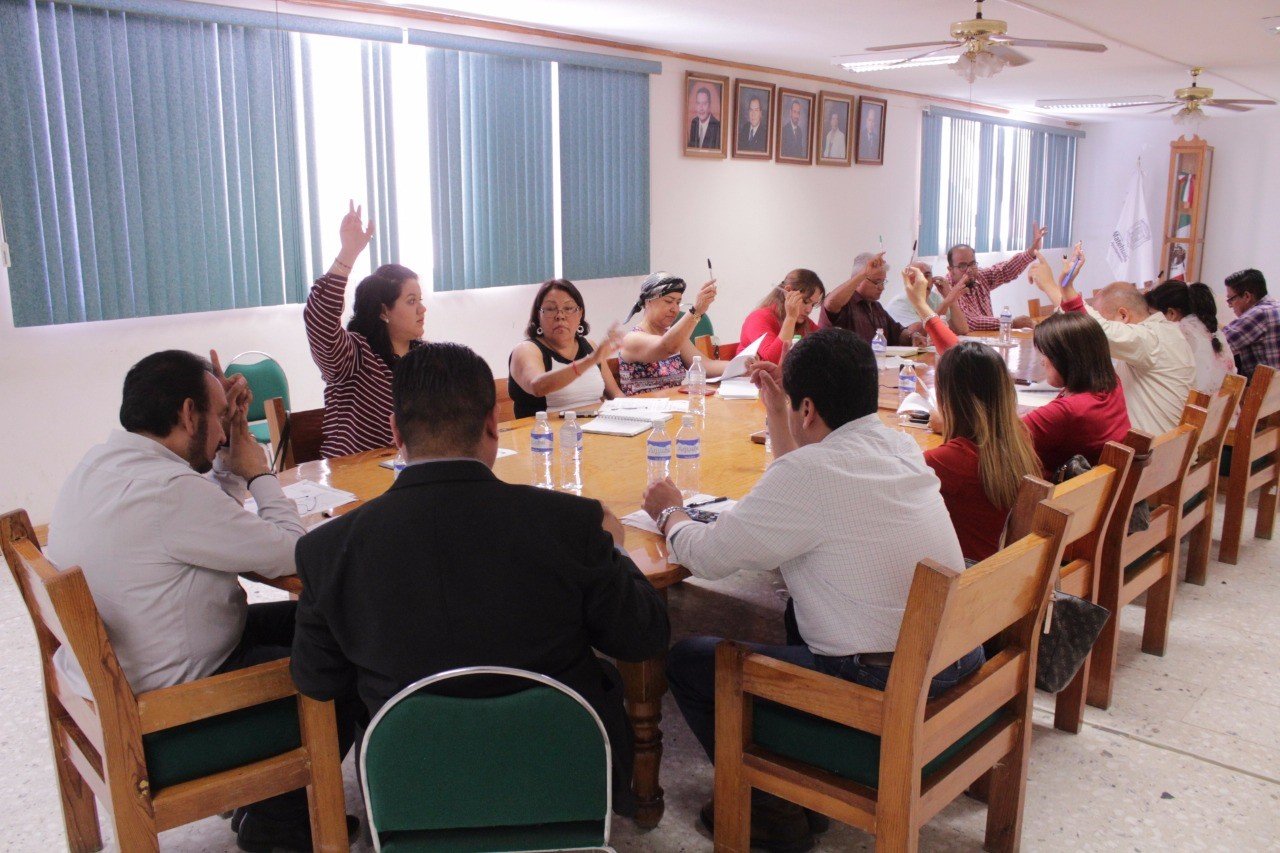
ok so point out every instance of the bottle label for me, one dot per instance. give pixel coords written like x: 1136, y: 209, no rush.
x: 659, y: 450
x: 688, y: 448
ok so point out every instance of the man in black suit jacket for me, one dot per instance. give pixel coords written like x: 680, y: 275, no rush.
x: 704, y: 128
x: 753, y: 134
x: 453, y: 567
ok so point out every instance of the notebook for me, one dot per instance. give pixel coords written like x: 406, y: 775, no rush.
x: 620, y: 424
x: 633, y: 415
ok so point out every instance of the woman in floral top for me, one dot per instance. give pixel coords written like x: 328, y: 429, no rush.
x: 658, y: 350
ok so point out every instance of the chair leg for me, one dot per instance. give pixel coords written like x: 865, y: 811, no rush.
x: 1232, y: 525
x: 1068, y: 708
x: 1102, y: 662
x: 732, y: 810
x: 1198, y: 548
x: 1159, y: 609
x: 1008, y: 793
x: 79, y: 808
x: 325, y: 798
x: 1266, y: 510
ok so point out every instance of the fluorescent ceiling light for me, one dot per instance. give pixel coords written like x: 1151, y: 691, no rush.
x: 1101, y: 103
x: 861, y: 66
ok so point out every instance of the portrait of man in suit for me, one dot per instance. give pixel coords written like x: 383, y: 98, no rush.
x: 870, y: 130
x: 704, y: 128
x: 752, y: 117
x: 703, y: 112
x: 753, y: 134
x: 795, y: 137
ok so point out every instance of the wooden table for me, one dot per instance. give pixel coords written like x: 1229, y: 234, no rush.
x: 614, y: 472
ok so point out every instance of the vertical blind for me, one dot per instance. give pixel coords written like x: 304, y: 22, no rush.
x: 985, y: 181
x: 492, y: 214
x: 147, y: 164
x: 604, y: 172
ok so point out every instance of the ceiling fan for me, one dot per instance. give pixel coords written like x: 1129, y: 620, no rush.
x: 984, y: 49
x: 1192, y: 100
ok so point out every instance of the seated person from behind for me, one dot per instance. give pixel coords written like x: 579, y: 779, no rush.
x: 1254, y: 335
x: 783, y: 314
x: 1194, y: 309
x: 658, y: 351
x: 162, y: 545
x: 847, y: 509
x: 452, y: 567
x: 975, y: 300
x: 855, y: 304
x: 942, y: 300
x: 557, y: 334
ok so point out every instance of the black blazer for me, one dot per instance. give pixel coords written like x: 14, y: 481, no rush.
x: 453, y: 567
x: 712, y: 139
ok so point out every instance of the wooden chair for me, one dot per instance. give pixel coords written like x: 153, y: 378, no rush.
x: 1255, y: 465
x: 1145, y: 560
x: 295, y: 436
x: 506, y: 407
x: 613, y: 368
x: 706, y: 346
x: 1200, y: 487
x: 886, y: 762
x: 728, y: 351
x: 1095, y: 491
x: 125, y: 749
x: 1038, y: 311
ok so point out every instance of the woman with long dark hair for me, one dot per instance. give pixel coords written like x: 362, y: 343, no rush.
x: 356, y: 362
x: 1194, y: 309
x: 556, y: 368
x: 783, y: 314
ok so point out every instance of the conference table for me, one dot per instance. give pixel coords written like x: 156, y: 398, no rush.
x: 614, y: 472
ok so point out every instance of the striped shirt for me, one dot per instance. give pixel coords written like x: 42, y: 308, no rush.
x: 357, y: 389
x: 975, y: 302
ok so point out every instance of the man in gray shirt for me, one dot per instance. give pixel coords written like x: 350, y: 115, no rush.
x: 162, y: 545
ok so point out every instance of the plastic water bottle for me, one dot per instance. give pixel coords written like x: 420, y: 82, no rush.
x: 878, y: 344
x: 697, y: 379
x: 398, y: 464
x: 1006, y: 325
x: 542, y: 441
x: 688, y: 457
x: 768, y: 446
x: 658, y: 452
x: 571, y: 453
x: 906, y: 380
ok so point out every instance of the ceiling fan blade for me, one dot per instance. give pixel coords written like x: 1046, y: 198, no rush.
x: 1056, y: 45
x: 1143, y: 104
x: 923, y: 55
x: 915, y: 45
x: 1008, y: 54
x: 1165, y: 110
x: 1260, y: 102
x: 1235, y: 108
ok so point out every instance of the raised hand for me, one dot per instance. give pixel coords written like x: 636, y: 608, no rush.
x: 794, y: 305
x: 877, y: 263
x: 706, y: 295
x: 767, y: 376
x: 1077, y: 254
x: 353, y: 234
x: 246, y: 458
x: 917, y: 289
x: 609, y: 344
x: 1037, y: 234
x: 1041, y: 276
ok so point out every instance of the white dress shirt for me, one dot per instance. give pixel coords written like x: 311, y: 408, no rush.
x: 1156, y: 369
x: 834, y: 145
x: 161, y: 547
x: 847, y: 519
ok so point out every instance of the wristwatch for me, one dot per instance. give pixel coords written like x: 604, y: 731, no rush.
x: 664, y: 515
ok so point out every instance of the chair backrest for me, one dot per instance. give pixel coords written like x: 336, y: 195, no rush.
x: 266, y: 379
x: 442, y: 762
x: 705, y: 346
x: 506, y: 406
x: 728, y: 351
x: 1259, y: 424
x: 1217, y: 411
x: 612, y: 363
x: 1035, y: 310
x: 1159, y: 467
x: 295, y: 436
x: 948, y: 615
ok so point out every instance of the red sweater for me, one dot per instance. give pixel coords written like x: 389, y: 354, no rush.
x: 1080, y: 423
x: 764, y: 321
x: 977, y: 521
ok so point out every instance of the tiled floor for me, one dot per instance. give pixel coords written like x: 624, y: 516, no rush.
x: 1187, y: 758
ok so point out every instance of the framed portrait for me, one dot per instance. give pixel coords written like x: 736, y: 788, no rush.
x: 871, y: 113
x: 701, y: 132
x: 794, y: 134
x: 753, y: 119
x: 834, y: 141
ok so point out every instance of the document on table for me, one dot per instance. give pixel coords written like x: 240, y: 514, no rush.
x: 917, y: 402
x: 739, y: 388
x: 309, y: 497
x: 738, y: 366
x: 641, y: 520
x: 629, y: 416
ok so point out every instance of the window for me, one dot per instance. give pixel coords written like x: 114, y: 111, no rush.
x: 157, y: 165
x: 984, y: 181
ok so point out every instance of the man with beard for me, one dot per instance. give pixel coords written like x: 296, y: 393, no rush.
x: 162, y: 546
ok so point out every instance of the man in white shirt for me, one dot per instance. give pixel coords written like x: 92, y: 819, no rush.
x: 162, y: 546
x: 847, y: 510
x: 943, y: 299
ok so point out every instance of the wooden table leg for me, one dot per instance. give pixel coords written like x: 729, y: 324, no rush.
x: 645, y: 683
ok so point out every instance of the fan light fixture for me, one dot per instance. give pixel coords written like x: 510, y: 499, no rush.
x: 974, y: 64
x: 1191, y: 114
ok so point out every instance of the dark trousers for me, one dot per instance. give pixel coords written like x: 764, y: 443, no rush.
x: 691, y: 674
x: 268, y: 636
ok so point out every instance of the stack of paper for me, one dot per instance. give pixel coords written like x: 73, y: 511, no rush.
x: 633, y: 415
x: 738, y: 366
x: 309, y: 497
x: 739, y: 389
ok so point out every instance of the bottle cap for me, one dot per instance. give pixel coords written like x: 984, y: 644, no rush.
x: 541, y: 415
x: 570, y: 415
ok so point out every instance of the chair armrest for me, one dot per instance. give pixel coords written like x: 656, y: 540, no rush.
x: 813, y: 692
x: 217, y: 694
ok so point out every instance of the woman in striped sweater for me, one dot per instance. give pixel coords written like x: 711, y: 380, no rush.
x: 356, y: 362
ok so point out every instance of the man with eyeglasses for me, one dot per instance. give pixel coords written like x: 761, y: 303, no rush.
x: 975, y: 300
x: 1254, y: 336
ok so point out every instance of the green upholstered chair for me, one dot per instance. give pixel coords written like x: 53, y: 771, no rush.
x: 528, y: 770
x: 266, y: 379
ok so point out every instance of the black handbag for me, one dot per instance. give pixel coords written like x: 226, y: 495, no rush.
x: 1072, y: 625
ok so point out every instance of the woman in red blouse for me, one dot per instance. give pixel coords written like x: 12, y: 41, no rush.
x: 783, y: 314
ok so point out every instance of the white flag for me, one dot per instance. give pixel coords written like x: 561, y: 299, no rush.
x: 1131, y: 253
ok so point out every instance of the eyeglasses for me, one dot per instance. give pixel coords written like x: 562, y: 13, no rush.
x: 965, y: 265
x: 1233, y: 297
x: 571, y: 311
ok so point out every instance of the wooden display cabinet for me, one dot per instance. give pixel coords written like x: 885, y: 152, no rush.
x: 1187, y: 208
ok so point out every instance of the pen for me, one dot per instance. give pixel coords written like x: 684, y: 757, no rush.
x: 706, y: 502
x: 710, y: 274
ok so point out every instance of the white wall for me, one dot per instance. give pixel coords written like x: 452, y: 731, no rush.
x: 756, y: 220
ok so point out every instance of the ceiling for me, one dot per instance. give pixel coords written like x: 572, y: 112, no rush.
x: 1151, y: 43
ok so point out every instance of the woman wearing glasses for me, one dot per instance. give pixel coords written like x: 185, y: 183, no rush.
x: 556, y: 367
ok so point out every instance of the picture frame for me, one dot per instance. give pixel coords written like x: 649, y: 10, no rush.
x: 702, y: 132
x: 870, y: 136
x: 793, y: 132
x: 753, y: 142
x: 833, y: 143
